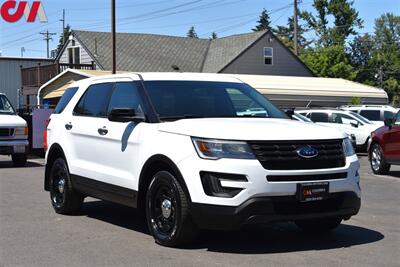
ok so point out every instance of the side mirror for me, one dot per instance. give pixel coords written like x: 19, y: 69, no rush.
x: 388, y: 122
x: 289, y: 113
x: 354, y: 124
x: 125, y: 115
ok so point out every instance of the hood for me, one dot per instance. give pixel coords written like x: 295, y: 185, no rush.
x: 250, y: 129
x: 11, y: 121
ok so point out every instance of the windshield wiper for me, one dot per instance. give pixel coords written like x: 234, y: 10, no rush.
x: 186, y: 116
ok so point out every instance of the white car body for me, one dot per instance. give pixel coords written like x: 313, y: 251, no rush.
x: 13, y: 132
x: 362, y: 128
x: 375, y: 113
x: 118, y: 158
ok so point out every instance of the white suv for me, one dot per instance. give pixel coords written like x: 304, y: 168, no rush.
x: 375, y: 113
x: 346, y: 121
x: 13, y: 133
x: 176, y: 145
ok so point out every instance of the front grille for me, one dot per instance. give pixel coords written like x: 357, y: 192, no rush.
x: 282, y: 155
x: 6, y: 132
x: 313, y: 177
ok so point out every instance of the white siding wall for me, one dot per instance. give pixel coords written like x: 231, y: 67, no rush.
x: 84, y: 56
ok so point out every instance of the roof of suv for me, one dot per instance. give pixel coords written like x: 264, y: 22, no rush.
x: 326, y: 110
x: 357, y: 107
x: 169, y: 76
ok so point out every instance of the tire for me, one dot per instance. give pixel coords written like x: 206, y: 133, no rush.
x: 19, y: 160
x: 319, y: 225
x: 377, y: 160
x: 64, y: 198
x: 167, y: 211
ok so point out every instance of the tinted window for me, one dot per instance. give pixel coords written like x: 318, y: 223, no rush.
x: 319, y: 117
x: 388, y: 115
x: 343, y: 119
x: 372, y: 115
x: 67, y: 96
x: 95, y: 101
x: 180, y: 99
x: 125, y: 95
x: 397, y: 121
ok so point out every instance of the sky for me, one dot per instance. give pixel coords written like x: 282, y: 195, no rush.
x: 168, y: 17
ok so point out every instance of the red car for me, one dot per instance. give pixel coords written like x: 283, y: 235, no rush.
x: 385, y: 146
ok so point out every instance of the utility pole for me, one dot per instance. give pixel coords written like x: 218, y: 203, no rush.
x: 63, y: 26
x: 295, y: 44
x: 22, y: 51
x: 47, y: 37
x: 114, y: 54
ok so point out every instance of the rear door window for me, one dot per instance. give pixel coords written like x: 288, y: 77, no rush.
x: 95, y: 101
x: 67, y: 96
x: 319, y: 117
x: 372, y: 115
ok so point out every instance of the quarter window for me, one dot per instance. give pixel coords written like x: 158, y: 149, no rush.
x: 67, y: 96
x: 94, y: 103
x: 268, y: 55
x: 372, y: 115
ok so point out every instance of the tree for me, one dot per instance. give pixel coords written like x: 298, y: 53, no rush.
x: 329, y: 61
x: 285, y: 34
x: 345, y: 21
x: 360, y: 53
x: 63, y: 36
x: 355, y: 101
x: 214, y: 35
x: 192, y: 33
x: 264, y: 22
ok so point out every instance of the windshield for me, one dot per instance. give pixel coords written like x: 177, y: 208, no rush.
x: 174, y: 100
x: 5, y: 106
x: 361, y: 118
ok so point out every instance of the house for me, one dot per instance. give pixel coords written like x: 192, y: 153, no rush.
x: 10, y: 77
x: 283, y: 91
x: 258, y: 53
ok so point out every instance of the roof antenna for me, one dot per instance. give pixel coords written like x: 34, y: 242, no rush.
x: 175, y: 68
x: 309, y: 103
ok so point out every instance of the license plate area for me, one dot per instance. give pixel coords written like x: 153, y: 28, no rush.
x: 307, y: 192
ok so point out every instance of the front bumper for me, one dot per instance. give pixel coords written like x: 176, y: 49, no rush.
x: 273, y: 209
x: 8, y: 147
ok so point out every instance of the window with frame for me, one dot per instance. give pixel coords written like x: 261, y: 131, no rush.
x: 388, y: 115
x: 94, y: 102
x: 126, y: 95
x: 372, y: 115
x: 268, y: 56
x: 343, y: 119
x: 319, y: 117
x: 397, y: 119
x: 74, y: 55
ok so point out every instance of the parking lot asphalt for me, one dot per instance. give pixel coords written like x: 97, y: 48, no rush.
x: 106, y: 234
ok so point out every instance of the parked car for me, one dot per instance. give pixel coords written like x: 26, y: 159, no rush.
x: 13, y: 133
x: 180, y: 147
x: 384, y: 150
x: 347, y: 121
x: 375, y: 113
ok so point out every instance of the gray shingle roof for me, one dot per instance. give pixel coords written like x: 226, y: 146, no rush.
x: 158, y: 53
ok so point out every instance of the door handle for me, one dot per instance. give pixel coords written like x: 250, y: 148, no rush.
x: 68, y: 126
x: 102, y: 131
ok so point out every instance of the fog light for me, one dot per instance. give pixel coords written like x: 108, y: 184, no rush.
x: 211, y: 182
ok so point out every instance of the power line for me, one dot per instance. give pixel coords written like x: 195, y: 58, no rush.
x: 47, y: 37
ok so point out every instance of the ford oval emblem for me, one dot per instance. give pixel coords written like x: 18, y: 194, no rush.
x: 307, y: 152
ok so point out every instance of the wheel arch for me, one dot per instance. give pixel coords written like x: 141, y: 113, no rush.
x: 54, y: 153
x: 153, y: 165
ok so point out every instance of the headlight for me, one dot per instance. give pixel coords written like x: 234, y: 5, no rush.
x: 348, y: 147
x: 218, y: 149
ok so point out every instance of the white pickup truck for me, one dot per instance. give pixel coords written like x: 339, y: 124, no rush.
x: 13, y: 133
